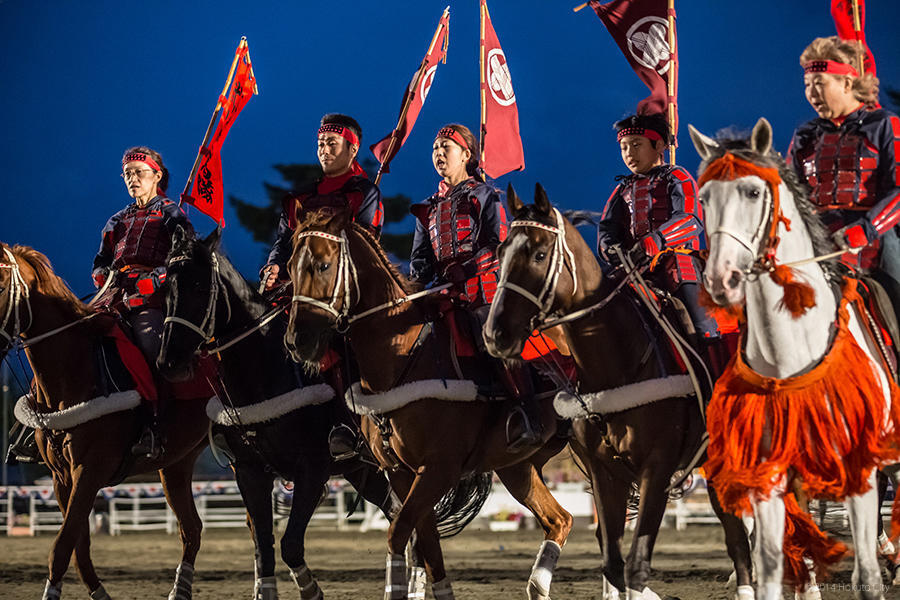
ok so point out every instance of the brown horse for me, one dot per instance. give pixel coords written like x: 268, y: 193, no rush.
x: 422, y: 420
x: 82, y: 433
x: 642, y: 425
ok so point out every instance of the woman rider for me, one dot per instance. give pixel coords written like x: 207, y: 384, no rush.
x: 457, y: 233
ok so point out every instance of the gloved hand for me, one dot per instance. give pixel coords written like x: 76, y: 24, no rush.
x: 456, y: 275
x: 268, y: 276
x: 99, y: 276
x: 638, y: 255
x: 152, y: 281
x: 852, y: 237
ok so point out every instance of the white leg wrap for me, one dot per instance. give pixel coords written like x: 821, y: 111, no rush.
x: 645, y: 594
x: 265, y: 588
x: 184, y: 582
x: 304, y: 580
x: 442, y: 590
x: 745, y: 592
x: 770, y: 591
x: 610, y: 592
x: 52, y: 592
x: 395, y: 583
x: 417, y: 581
x: 542, y: 571
x: 100, y: 594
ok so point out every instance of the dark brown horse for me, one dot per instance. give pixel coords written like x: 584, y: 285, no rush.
x: 643, y: 423
x: 86, y: 446
x: 423, y: 421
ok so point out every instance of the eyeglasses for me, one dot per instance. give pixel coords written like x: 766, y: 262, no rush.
x: 139, y: 173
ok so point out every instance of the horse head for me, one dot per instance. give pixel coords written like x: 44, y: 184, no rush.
x: 193, y: 283
x: 533, y: 280
x: 14, y: 293
x: 323, y: 278
x: 739, y: 191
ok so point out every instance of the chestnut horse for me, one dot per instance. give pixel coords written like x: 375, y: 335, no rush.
x: 275, y: 422
x: 423, y: 419
x: 635, y: 422
x: 84, y: 435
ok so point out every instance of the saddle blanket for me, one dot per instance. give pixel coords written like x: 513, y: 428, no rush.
x: 268, y: 410
x: 454, y: 390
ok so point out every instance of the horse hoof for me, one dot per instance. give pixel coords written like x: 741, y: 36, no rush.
x: 645, y: 594
x: 810, y: 593
x: 609, y: 591
x: 52, y: 592
x: 745, y: 592
x: 534, y: 592
x: 266, y: 588
x: 100, y: 594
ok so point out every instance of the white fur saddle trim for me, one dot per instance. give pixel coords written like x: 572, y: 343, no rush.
x: 270, y: 409
x: 456, y: 390
x: 78, y: 414
x: 622, y: 398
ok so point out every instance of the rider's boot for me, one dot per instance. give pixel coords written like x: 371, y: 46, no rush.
x: 523, y: 425
x: 22, y: 445
x: 149, y: 444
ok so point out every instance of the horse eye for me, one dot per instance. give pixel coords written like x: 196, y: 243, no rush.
x: 753, y: 193
x: 539, y: 256
x: 323, y: 267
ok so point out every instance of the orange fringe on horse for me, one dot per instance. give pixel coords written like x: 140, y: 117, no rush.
x: 830, y: 426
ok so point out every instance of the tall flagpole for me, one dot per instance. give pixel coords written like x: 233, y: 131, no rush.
x: 212, y: 121
x: 672, y: 81
x: 410, y: 94
x: 482, y: 12
x: 857, y: 28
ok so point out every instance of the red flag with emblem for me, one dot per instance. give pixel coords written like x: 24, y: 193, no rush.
x: 206, y: 187
x: 641, y: 29
x: 414, y: 96
x: 842, y: 13
x: 501, y: 147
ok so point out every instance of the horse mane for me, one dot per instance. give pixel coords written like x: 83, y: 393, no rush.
x: 49, y: 282
x: 739, y: 145
x: 405, y: 284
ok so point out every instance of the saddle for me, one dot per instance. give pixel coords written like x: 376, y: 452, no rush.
x: 883, y: 324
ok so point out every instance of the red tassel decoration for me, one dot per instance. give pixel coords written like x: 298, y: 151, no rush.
x: 799, y: 296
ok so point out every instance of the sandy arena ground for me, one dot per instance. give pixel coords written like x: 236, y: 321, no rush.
x: 690, y: 565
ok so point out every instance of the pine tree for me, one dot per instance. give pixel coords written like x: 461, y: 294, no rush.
x: 262, y: 221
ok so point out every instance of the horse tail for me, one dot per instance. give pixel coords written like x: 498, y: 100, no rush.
x: 462, y: 504
x: 803, y: 538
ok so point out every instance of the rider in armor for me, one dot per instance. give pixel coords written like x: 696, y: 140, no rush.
x: 848, y: 156
x: 655, y: 210
x: 343, y: 184
x: 457, y: 233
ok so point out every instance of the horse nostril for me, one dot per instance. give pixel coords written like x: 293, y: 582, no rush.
x: 735, y: 280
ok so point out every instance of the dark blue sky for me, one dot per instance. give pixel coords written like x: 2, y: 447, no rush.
x: 84, y: 80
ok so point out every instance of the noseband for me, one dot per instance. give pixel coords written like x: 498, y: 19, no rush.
x: 18, y: 292
x: 558, y: 255
x: 346, y: 271
x: 207, y: 326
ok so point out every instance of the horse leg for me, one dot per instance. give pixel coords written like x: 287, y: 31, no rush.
x: 310, y: 475
x: 736, y: 543
x: 426, y: 550
x: 80, y: 501
x: 610, y: 500
x: 651, y: 506
x: 256, y: 490
x: 176, y: 482
x: 525, y: 484
x: 862, y: 510
x: 431, y: 482
x: 767, y: 553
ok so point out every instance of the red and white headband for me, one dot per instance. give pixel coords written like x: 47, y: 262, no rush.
x: 830, y: 66
x: 140, y: 157
x: 344, y: 132
x: 452, y: 134
x: 647, y: 133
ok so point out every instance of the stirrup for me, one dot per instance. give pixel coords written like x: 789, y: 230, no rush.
x: 24, y: 449
x: 342, y: 442
x: 528, y: 436
x: 148, y: 445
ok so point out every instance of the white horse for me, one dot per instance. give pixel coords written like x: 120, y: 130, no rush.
x: 807, y: 393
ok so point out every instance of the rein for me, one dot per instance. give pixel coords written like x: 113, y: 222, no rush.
x: 346, y: 271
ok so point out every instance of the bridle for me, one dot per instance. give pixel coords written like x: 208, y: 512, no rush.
x: 559, y: 253
x: 207, y: 325
x: 18, y: 293
x: 346, y: 271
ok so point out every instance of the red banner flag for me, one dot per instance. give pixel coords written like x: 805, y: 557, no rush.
x: 414, y: 96
x: 501, y: 147
x: 641, y: 29
x: 206, y: 191
x: 842, y: 13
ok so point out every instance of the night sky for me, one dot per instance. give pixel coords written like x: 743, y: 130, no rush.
x: 85, y: 80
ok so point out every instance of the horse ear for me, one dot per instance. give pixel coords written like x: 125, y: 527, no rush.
x: 513, y: 202
x: 761, y: 137
x: 213, y: 239
x: 705, y: 145
x: 180, y: 238
x: 541, y: 201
